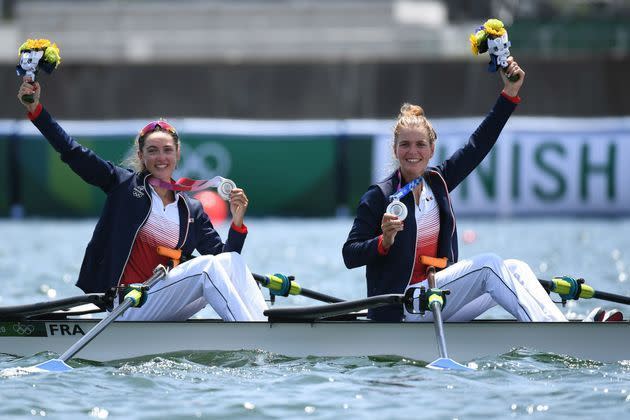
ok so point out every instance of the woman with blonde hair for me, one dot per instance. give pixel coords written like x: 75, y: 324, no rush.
x: 390, y: 244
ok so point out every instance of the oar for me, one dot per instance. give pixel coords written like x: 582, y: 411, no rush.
x: 436, y: 301
x: 569, y: 288
x: 100, y: 300
x: 281, y: 285
x: 132, y: 298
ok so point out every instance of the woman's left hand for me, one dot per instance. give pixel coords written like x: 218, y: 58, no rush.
x: 238, y: 206
x: 512, y: 88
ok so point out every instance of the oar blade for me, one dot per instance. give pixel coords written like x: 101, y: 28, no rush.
x: 52, y: 365
x: 448, y: 364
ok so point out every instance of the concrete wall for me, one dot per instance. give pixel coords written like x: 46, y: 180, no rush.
x: 569, y: 87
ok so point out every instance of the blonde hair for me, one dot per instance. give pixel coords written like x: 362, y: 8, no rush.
x: 412, y: 116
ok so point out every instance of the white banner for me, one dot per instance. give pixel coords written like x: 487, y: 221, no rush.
x: 539, y: 166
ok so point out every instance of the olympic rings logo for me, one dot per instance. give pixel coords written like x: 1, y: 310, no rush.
x: 204, y: 161
x: 23, y: 329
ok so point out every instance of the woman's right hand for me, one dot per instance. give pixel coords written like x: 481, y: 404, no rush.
x: 390, y: 225
x: 29, y: 88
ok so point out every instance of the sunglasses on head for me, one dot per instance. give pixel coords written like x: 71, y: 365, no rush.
x: 149, y: 128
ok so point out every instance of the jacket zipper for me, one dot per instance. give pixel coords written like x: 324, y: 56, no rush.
x: 187, y: 223
x: 144, y: 183
x: 450, y: 207
x: 416, y: 241
x: 415, y: 244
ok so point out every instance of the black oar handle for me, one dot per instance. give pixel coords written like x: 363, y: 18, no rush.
x: 320, y: 296
x: 612, y: 297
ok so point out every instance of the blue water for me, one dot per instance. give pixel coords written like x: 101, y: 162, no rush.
x: 39, y: 260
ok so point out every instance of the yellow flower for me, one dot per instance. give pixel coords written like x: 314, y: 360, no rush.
x: 473, y: 44
x: 25, y: 46
x: 41, y: 44
x: 476, y: 40
x: 34, y: 44
x: 52, y: 55
x: 494, y: 28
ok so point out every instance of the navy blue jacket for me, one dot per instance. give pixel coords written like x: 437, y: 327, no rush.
x: 126, y: 209
x: 391, y: 273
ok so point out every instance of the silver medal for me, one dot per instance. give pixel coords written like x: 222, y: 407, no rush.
x: 225, y: 187
x: 398, y: 209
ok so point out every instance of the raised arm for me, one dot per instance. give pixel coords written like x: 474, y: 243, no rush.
x: 456, y: 168
x: 83, y: 161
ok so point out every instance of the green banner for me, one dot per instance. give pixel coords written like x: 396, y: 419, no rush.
x: 283, y: 175
x: 50, y: 188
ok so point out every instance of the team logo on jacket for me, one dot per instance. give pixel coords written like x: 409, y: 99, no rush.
x: 138, y: 191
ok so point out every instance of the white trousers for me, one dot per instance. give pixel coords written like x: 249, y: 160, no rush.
x: 481, y: 282
x: 223, y: 281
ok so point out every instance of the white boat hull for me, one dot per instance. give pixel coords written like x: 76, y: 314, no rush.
x: 607, y: 342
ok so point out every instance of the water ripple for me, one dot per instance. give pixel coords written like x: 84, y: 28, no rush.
x: 259, y: 385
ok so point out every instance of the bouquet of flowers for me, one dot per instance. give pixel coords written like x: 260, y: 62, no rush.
x: 492, y: 37
x: 37, y: 54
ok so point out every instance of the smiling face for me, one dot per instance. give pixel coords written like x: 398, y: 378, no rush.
x: 160, y: 154
x: 413, y: 148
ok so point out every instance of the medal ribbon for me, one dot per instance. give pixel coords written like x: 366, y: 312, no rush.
x: 187, y: 184
x: 405, y: 190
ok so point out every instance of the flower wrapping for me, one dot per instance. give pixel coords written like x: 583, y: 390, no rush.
x: 35, y: 54
x: 492, y: 37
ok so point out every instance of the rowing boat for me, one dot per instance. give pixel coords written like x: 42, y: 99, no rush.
x: 606, y: 342
x: 337, y: 328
